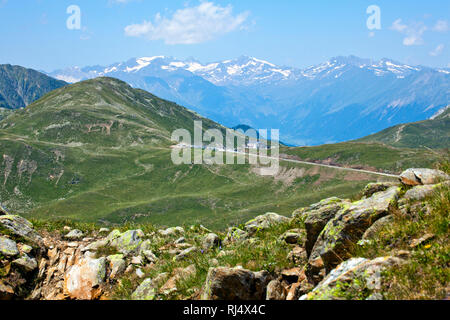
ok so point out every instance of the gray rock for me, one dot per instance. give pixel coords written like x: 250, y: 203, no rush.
x: 236, y: 235
x: 180, y: 240
x: 147, y: 290
x: 235, y: 284
x: 265, y: 221
x: 348, y: 275
x: 128, y: 242
x: 171, y: 231
x: 415, y: 177
x: 140, y: 273
x: 8, y: 247
x: 294, y: 236
x: 20, y: 227
x: 373, y: 188
x: 24, y: 248
x: 95, y: 246
x: 117, y: 265
x: 419, y: 192
x: 211, y: 240
x: 341, y: 234
x: 150, y: 256
x: 317, y: 218
x: 74, y: 234
x: 186, y: 253
x: 375, y: 229
x: 26, y: 263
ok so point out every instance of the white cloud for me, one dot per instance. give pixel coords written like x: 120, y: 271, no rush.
x: 190, y: 25
x: 441, y: 26
x: 413, y: 32
x: 437, y: 51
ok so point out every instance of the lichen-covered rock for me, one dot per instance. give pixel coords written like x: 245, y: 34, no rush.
x: 26, y: 263
x: 294, y: 236
x: 150, y: 256
x: 264, y: 221
x: 20, y: 227
x: 374, y: 230
x: 171, y: 231
x: 419, y: 192
x: 341, y: 234
x: 352, y: 279
x: 186, y: 253
x: 117, y: 265
x: 95, y: 246
x: 74, y: 234
x: 373, y: 188
x: 128, y: 242
x: 415, y: 177
x: 211, y: 240
x: 8, y: 247
x: 147, y: 290
x: 236, y: 235
x: 317, y: 218
x: 235, y: 284
x: 82, y: 281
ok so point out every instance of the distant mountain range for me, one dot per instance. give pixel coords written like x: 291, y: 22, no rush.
x: 342, y: 99
x: 20, y: 86
x: 432, y: 133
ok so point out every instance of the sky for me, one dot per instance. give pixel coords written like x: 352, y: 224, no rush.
x: 48, y: 35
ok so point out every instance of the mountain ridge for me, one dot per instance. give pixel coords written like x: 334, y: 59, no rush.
x: 342, y: 99
x: 20, y: 86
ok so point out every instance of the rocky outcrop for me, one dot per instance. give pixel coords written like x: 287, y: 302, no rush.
x: 211, y: 240
x: 20, y: 227
x: 415, y: 177
x: 8, y: 247
x: 317, y: 249
x: 127, y: 242
x: 82, y: 281
x: 353, y: 279
x: 316, y: 218
x: 264, y: 221
x: 339, y: 237
x: 235, y: 284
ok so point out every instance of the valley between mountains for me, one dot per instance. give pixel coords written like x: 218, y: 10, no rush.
x: 99, y: 151
x: 92, y: 207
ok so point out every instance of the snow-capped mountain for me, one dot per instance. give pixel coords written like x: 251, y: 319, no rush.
x: 341, y: 99
x: 241, y: 71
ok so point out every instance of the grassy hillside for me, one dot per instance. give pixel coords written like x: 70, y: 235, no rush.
x: 99, y: 151
x: 433, y: 133
x: 374, y: 156
x: 20, y: 86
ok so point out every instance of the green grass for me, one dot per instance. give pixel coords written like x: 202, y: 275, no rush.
x: 433, y: 134
x: 267, y: 253
x: 53, y: 168
x: 368, y: 155
x: 426, y: 274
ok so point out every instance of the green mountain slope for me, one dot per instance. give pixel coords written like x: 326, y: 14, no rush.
x: 373, y: 156
x: 20, y: 86
x: 433, y: 133
x: 99, y: 151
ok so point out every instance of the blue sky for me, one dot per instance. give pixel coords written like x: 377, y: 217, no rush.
x: 295, y: 33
